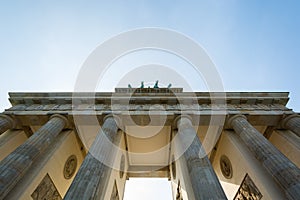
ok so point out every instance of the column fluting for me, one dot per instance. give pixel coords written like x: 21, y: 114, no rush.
x: 292, y: 123
x: 91, y: 180
x: 16, y: 164
x: 283, y: 171
x: 201, y: 173
x: 6, y: 122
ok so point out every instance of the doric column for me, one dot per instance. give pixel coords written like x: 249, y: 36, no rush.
x: 15, y: 165
x: 93, y: 176
x: 292, y: 122
x: 6, y: 122
x: 204, y: 181
x: 283, y: 171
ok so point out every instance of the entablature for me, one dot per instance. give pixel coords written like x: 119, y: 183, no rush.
x: 35, y: 108
x: 252, y: 98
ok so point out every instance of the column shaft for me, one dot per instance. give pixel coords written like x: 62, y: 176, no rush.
x: 203, y: 178
x: 93, y: 176
x: 6, y: 123
x: 15, y: 165
x: 283, y: 171
x: 292, y: 123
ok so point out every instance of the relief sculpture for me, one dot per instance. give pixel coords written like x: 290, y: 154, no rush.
x: 248, y: 190
x: 46, y: 190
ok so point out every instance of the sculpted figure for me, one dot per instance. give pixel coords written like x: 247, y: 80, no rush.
x: 156, y: 85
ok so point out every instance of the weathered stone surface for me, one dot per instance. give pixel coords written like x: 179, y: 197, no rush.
x: 292, y: 123
x: 248, y: 190
x: 149, y: 90
x: 203, y: 178
x: 284, y: 172
x: 6, y: 123
x: 16, y: 164
x: 146, y: 107
x: 262, y: 109
x: 70, y: 167
x: 92, y: 177
x: 46, y: 190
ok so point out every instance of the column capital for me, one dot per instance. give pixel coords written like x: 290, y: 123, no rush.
x: 179, y: 117
x: 117, y: 119
x: 11, y: 121
x: 231, y: 118
x: 285, y: 120
x: 65, y: 119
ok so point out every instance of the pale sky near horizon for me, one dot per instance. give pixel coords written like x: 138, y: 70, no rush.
x: 255, y: 45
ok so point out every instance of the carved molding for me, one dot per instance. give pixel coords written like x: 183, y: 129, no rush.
x: 173, y: 167
x: 146, y: 107
x: 115, y: 193
x: 122, y: 166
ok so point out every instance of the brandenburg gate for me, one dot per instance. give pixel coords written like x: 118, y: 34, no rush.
x: 234, y: 145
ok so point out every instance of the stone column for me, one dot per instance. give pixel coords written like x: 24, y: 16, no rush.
x: 6, y: 122
x: 292, y: 122
x: 93, y: 176
x: 283, y: 171
x: 204, y: 181
x: 17, y: 163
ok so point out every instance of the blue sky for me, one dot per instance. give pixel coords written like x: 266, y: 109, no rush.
x: 254, y: 44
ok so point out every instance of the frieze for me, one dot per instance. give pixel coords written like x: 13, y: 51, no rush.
x: 138, y: 107
x: 146, y: 107
x: 205, y: 107
x: 155, y: 107
x: 84, y: 107
x: 172, y: 107
x: 18, y: 107
x: 217, y: 106
x: 34, y: 107
x: 50, y: 107
x: 100, y: 107
x: 118, y: 107
x: 246, y: 107
x: 65, y: 107
x: 185, y: 107
x: 132, y: 107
